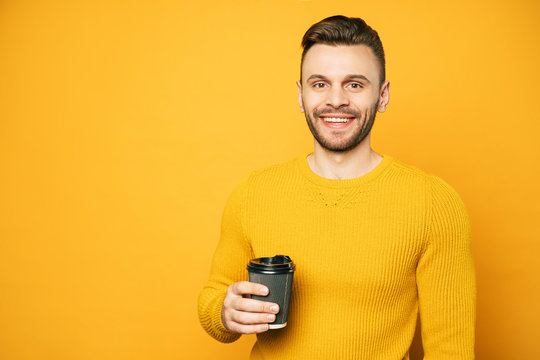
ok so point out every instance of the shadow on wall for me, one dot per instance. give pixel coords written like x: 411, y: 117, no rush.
x: 416, y: 351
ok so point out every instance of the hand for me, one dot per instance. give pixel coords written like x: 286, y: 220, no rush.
x: 243, y: 315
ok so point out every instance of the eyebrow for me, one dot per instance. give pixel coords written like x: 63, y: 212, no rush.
x: 352, y: 76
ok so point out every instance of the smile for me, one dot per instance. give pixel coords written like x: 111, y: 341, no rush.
x: 337, y: 122
x: 336, y: 119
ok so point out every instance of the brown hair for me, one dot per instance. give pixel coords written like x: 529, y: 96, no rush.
x: 342, y: 30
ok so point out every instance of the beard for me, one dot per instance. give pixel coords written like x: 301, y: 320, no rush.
x: 356, y: 138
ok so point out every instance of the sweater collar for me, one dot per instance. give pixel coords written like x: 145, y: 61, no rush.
x: 306, y: 171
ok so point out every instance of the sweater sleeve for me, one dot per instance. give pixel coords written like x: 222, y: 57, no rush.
x: 446, y: 279
x: 228, y: 266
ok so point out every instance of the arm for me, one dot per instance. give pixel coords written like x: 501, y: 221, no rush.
x: 225, y: 312
x: 228, y: 266
x: 446, y: 279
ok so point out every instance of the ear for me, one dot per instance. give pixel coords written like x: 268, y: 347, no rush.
x: 300, y: 102
x: 384, y: 97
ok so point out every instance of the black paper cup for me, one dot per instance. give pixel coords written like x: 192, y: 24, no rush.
x: 276, y: 273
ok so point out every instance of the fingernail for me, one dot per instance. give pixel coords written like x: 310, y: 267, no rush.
x: 271, y: 317
x: 274, y: 308
x: 264, y: 291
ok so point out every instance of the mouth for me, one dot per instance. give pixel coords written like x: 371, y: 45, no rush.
x: 336, y: 121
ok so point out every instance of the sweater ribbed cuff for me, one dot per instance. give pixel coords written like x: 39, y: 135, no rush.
x: 220, y: 333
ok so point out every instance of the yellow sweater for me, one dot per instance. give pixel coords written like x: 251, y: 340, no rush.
x: 370, y: 253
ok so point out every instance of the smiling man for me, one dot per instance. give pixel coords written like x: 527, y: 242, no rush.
x: 375, y: 241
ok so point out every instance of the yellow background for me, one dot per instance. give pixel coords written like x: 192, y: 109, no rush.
x: 125, y: 125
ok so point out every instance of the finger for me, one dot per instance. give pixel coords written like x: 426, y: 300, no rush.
x: 250, y: 305
x: 246, y: 287
x: 250, y: 318
x: 249, y: 329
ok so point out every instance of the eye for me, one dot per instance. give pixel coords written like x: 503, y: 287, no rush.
x: 355, y: 86
x: 318, y: 85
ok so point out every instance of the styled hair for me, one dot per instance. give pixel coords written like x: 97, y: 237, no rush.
x: 342, y: 30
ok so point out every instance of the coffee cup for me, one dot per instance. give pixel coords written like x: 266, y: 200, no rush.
x: 276, y: 273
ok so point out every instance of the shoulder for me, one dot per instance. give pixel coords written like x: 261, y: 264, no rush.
x: 404, y: 175
x: 266, y: 177
x: 446, y: 209
x: 413, y: 173
x: 273, y: 176
x: 406, y: 169
x: 443, y: 200
x: 439, y: 192
x: 275, y: 171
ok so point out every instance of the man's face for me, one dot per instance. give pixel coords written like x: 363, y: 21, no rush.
x: 340, y: 94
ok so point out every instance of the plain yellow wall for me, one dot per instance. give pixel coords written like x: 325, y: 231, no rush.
x: 125, y: 125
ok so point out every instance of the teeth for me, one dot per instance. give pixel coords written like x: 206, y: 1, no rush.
x: 336, y: 120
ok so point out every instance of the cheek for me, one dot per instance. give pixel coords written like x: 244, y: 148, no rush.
x: 362, y: 99
x: 312, y: 101
x: 363, y: 103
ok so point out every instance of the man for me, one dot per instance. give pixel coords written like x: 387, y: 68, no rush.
x: 374, y: 240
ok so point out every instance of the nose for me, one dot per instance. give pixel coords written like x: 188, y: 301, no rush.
x: 337, y: 97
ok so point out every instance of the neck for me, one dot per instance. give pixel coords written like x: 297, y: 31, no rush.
x: 344, y: 165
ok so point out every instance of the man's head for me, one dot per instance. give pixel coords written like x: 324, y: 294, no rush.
x: 342, y: 83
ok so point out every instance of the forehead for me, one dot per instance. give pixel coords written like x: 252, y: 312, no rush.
x: 340, y: 61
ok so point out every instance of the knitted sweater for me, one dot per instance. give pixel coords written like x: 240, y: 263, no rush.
x: 370, y: 253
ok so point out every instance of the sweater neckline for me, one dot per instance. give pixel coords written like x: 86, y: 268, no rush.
x: 334, y: 183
